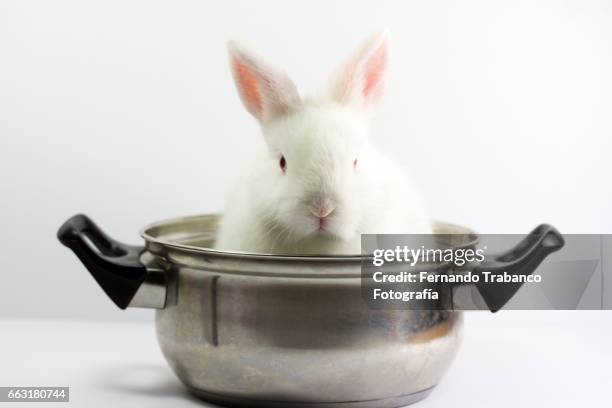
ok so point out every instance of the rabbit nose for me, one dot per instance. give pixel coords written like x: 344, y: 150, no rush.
x: 322, y: 211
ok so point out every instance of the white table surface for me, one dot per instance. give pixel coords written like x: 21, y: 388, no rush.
x: 511, y: 359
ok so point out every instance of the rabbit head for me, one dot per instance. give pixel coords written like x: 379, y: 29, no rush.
x: 309, y: 181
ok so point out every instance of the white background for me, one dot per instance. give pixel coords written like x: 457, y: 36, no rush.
x: 125, y: 110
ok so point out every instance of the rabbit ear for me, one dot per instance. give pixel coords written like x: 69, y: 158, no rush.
x: 361, y: 81
x: 265, y: 92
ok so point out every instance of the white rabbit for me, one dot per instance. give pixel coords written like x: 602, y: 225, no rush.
x: 320, y: 183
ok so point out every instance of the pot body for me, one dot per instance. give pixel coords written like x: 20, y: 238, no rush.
x: 274, y: 340
x: 264, y: 330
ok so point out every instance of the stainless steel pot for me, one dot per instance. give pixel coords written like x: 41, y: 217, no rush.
x: 281, y: 331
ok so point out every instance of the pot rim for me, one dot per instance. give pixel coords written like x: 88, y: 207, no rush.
x: 152, y: 234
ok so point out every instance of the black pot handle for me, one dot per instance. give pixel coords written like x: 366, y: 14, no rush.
x: 114, y: 265
x: 523, y: 259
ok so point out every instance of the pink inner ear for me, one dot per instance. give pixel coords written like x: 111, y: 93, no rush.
x: 248, y: 85
x: 374, y: 73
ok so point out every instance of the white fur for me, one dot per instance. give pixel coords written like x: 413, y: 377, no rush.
x: 320, y: 138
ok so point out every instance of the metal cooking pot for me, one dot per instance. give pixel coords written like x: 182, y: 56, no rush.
x: 263, y: 330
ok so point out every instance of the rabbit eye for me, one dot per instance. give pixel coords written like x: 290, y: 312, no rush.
x: 283, y: 163
x: 355, y: 163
